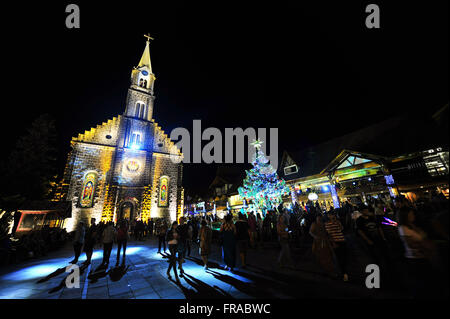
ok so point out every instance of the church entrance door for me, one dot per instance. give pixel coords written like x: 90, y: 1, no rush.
x: 127, y: 211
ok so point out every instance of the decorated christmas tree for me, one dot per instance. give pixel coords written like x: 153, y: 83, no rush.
x: 262, y: 186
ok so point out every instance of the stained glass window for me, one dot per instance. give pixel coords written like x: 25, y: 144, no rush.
x: 87, y: 192
x: 163, y: 192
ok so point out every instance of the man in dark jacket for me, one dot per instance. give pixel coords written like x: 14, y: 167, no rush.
x: 90, y: 240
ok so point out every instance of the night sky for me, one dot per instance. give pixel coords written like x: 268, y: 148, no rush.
x: 312, y: 70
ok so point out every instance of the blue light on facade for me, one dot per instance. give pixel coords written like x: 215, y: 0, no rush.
x: 334, y: 196
x: 389, y: 179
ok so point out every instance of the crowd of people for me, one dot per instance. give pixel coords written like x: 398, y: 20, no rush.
x: 385, y: 231
x: 105, y: 234
x: 86, y: 238
x: 402, y: 238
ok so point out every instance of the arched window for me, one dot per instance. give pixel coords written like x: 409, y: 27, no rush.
x: 138, y: 109
x: 141, y: 82
x: 88, y: 190
x: 146, y: 112
x: 135, y: 139
x: 145, y: 83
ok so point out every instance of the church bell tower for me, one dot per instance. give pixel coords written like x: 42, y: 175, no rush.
x: 140, y: 96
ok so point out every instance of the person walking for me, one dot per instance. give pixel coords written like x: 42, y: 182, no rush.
x: 78, y: 241
x: 145, y: 230
x: 335, y: 233
x: 267, y: 227
x: 228, y: 232
x: 273, y: 226
x: 286, y: 216
x: 172, y: 241
x: 321, y: 246
x: 372, y: 235
x: 259, y: 228
x: 133, y: 228
x: 252, y: 226
x: 122, y: 238
x: 190, y: 235
x: 283, y: 239
x: 139, y: 227
x: 161, y: 231
x: 89, y: 241
x: 205, y: 242
x: 243, y: 234
x: 195, y: 230
x: 108, y: 237
x: 182, y: 230
x: 150, y: 227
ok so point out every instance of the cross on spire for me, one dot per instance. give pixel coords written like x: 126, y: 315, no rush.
x: 148, y: 37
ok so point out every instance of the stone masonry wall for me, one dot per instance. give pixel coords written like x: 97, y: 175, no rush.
x: 163, y: 166
x: 86, y: 158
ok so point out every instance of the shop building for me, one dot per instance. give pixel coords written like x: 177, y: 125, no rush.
x: 386, y: 159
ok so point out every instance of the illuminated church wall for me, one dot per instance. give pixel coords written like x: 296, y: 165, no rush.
x: 87, y: 159
x: 164, y: 167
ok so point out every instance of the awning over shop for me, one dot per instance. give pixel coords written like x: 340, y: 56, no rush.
x: 37, y: 214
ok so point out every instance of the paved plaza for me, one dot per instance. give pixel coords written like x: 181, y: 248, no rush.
x: 144, y: 277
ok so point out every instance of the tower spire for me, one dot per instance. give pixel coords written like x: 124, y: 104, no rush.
x: 140, y: 94
x: 145, y: 58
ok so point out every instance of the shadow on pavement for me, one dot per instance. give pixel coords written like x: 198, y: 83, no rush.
x: 211, y: 264
x: 117, y: 273
x: 100, y: 272
x: 63, y: 282
x: 200, y: 289
x: 56, y: 273
x: 250, y: 289
x: 204, y: 290
x: 164, y: 255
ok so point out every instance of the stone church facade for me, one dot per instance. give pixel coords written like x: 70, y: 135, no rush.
x: 126, y: 167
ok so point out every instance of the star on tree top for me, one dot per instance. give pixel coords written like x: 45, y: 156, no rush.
x: 257, y: 143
